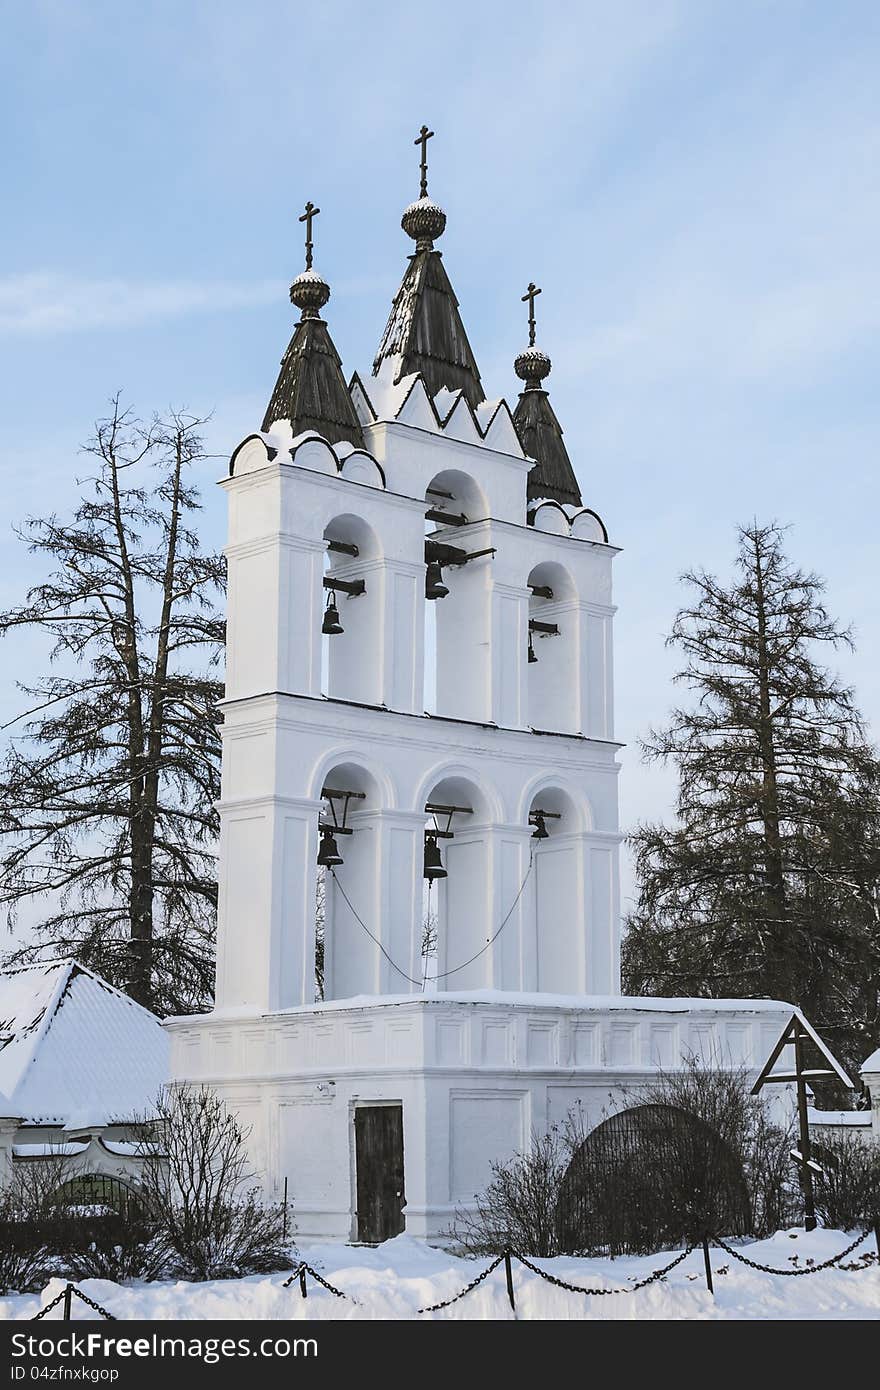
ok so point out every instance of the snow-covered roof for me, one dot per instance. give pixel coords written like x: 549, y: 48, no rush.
x: 74, y: 1050
x: 843, y: 1119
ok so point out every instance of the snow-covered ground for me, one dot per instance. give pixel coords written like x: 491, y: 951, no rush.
x: 404, y: 1275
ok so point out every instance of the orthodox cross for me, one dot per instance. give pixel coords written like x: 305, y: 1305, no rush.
x: 422, y: 139
x: 310, y: 213
x: 531, y: 295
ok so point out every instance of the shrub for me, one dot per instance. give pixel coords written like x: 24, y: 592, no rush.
x: 199, y: 1192
x: 722, y: 1098
x: 848, y: 1192
x: 517, y: 1209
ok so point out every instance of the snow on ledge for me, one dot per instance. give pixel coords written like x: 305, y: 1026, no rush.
x: 854, y: 1119
x: 582, y: 1003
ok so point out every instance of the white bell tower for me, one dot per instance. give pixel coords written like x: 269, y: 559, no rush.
x: 419, y: 692
x: 415, y: 508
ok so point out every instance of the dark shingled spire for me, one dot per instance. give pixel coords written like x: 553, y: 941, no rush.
x: 424, y: 332
x: 540, y: 433
x: 310, y: 391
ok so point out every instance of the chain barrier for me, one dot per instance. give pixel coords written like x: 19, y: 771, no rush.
x: 469, y: 1288
x: 307, y: 1269
x: 597, y: 1293
x: 65, y: 1295
x: 790, y: 1273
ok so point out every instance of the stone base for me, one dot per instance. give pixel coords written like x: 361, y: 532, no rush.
x: 475, y: 1075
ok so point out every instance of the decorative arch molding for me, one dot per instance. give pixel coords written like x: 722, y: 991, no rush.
x: 549, y: 782
x: 345, y: 755
x: 585, y: 523
x: 251, y: 454
x: 550, y: 517
x: 447, y: 771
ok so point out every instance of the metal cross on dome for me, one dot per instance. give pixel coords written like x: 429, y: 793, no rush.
x: 531, y: 295
x: 422, y: 139
x: 308, y: 216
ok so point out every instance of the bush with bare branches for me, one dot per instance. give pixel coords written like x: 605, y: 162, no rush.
x: 199, y: 1189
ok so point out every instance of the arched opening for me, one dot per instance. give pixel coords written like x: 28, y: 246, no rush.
x: 456, y: 906
x: 351, y: 643
x: 552, y: 649
x: 650, y: 1178
x: 457, y: 615
x: 346, y: 957
x: 98, y: 1195
x: 558, y: 909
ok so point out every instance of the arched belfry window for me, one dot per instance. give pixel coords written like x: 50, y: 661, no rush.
x: 457, y: 899
x: 346, y: 958
x: 351, y: 655
x: 553, y: 650
x: 457, y: 589
x: 559, y: 925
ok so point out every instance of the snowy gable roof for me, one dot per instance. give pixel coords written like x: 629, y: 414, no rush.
x: 74, y: 1050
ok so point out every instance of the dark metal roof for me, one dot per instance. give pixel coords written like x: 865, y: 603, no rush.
x: 310, y: 391
x: 540, y: 434
x: 425, y: 331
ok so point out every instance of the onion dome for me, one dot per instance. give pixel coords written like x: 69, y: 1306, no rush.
x: 424, y: 221
x: 309, y: 292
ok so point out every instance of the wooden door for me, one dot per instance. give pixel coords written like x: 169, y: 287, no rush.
x: 378, y: 1136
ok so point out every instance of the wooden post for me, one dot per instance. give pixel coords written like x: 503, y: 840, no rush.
x: 68, y: 1299
x: 806, y: 1172
x: 877, y: 1237
x: 708, y: 1264
x: 508, y: 1270
x: 302, y: 1281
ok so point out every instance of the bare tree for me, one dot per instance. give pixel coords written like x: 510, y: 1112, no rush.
x: 107, y: 799
x: 200, y: 1190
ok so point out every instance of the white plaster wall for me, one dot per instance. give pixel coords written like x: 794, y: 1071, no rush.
x: 474, y: 1078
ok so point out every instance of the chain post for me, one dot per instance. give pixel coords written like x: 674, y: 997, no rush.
x: 68, y: 1299
x: 708, y: 1263
x: 302, y: 1281
x: 508, y: 1272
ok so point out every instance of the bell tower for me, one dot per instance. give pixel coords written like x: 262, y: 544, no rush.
x: 419, y: 720
x: 401, y: 534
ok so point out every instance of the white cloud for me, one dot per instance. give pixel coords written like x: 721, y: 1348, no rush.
x: 49, y: 302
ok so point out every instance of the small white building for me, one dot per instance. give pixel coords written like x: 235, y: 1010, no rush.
x: 420, y: 691
x: 77, y: 1059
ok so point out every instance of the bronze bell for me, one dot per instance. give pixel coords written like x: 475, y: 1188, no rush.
x: 331, y: 626
x: 328, y: 851
x: 433, y: 863
x: 540, y: 831
x: 434, y: 586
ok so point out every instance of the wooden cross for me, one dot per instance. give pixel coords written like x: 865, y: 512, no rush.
x: 531, y: 295
x: 307, y: 217
x: 422, y: 139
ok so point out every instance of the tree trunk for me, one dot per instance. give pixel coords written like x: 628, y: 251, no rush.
x: 775, y: 896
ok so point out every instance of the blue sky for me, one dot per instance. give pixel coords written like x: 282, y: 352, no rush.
x: 695, y: 186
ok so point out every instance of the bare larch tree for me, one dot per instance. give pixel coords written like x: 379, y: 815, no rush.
x: 108, y: 784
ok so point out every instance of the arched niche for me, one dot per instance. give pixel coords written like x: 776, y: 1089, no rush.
x: 557, y: 898
x: 460, y: 903
x: 351, y: 665
x: 457, y: 494
x: 552, y: 670
x: 457, y: 626
x: 346, y: 957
